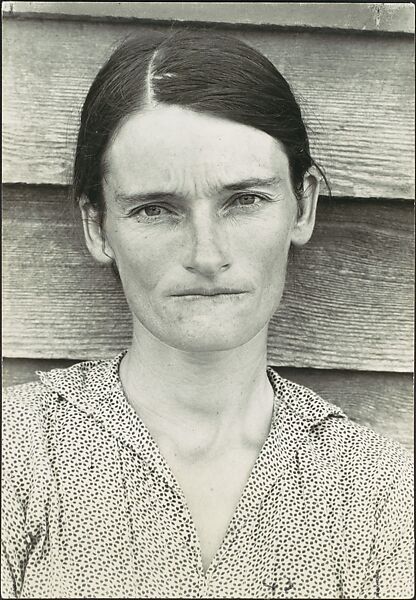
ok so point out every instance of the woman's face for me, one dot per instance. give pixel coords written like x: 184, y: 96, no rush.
x: 200, y: 217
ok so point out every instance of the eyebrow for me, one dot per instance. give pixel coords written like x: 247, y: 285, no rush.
x: 165, y: 196
x: 144, y: 197
x: 253, y: 182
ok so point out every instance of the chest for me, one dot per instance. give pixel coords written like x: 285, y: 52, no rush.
x: 212, y: 491
x: 120, y: 528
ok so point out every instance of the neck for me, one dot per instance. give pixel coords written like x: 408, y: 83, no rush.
x: 205, y: 398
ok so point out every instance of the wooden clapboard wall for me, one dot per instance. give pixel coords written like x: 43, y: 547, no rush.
x: 345, y: 326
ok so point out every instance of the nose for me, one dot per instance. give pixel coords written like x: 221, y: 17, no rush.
x: 208, y: 251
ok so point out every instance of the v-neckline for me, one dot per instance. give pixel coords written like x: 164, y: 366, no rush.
x: 267, y: 461
x: 97, y: 391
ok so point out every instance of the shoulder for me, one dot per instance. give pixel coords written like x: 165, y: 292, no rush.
x: 22, y: 407
x: 28, y: 406
x: 25, y: 404
x: 25, y: 397
x: 64, y: 383
x: 362, y: 455
x: 370, y: 463
x: 365, y: 481
x: 24, y: 439
x: 30, y: 409
x: 42, y: 416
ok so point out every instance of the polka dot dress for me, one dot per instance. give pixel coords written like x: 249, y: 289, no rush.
x: 92, y: 510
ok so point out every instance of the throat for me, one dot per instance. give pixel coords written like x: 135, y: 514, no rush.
x: 202, y: 420
x: 200, y: 387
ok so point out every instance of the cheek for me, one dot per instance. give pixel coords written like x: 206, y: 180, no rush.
x: 141, y: 260
x: 268, y: 253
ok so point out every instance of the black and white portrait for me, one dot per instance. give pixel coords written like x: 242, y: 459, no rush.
x: 208, y: 300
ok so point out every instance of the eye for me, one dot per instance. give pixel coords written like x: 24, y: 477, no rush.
x: 246, y: 199
x: 152, y: 210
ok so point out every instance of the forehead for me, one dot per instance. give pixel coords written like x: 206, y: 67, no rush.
x: 172, y: 146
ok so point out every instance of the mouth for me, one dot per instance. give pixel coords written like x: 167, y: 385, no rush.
x: 207, y: 293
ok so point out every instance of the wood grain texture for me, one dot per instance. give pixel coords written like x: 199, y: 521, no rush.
x: 348, y: 302
x: 381, y: 401
x: 366, y: 16
x: 23, y: 370
x: 357, y: 94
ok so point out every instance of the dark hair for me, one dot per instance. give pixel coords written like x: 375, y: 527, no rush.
x: 204, y: 71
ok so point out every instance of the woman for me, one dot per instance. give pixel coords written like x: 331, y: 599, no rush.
x: 184, y: 467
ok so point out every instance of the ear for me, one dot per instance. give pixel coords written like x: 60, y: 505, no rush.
x: 94, y: 234
x: 305, y: 221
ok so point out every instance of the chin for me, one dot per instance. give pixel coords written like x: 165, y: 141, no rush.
x: 212, y: 340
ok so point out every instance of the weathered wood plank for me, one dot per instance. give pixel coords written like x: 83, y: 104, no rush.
x: 382, y: 17
x: 23, y: 370
x: 382, y: 401
x: 357, y: 93
x: 348, y: 302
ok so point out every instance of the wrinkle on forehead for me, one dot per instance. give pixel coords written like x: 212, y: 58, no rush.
x: 181, y: 151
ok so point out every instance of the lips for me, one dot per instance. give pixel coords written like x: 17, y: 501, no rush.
x: 220, y: 291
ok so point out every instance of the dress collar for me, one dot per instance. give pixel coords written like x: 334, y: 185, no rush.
x: 92, y: 385
x: 95, y: 389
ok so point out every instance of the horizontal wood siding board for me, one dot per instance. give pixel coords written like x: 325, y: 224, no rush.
x: 379, y: 17
x: 382, y: 401
x: 357, y: 95
x: 23, y: 370
x: 348, y: 301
